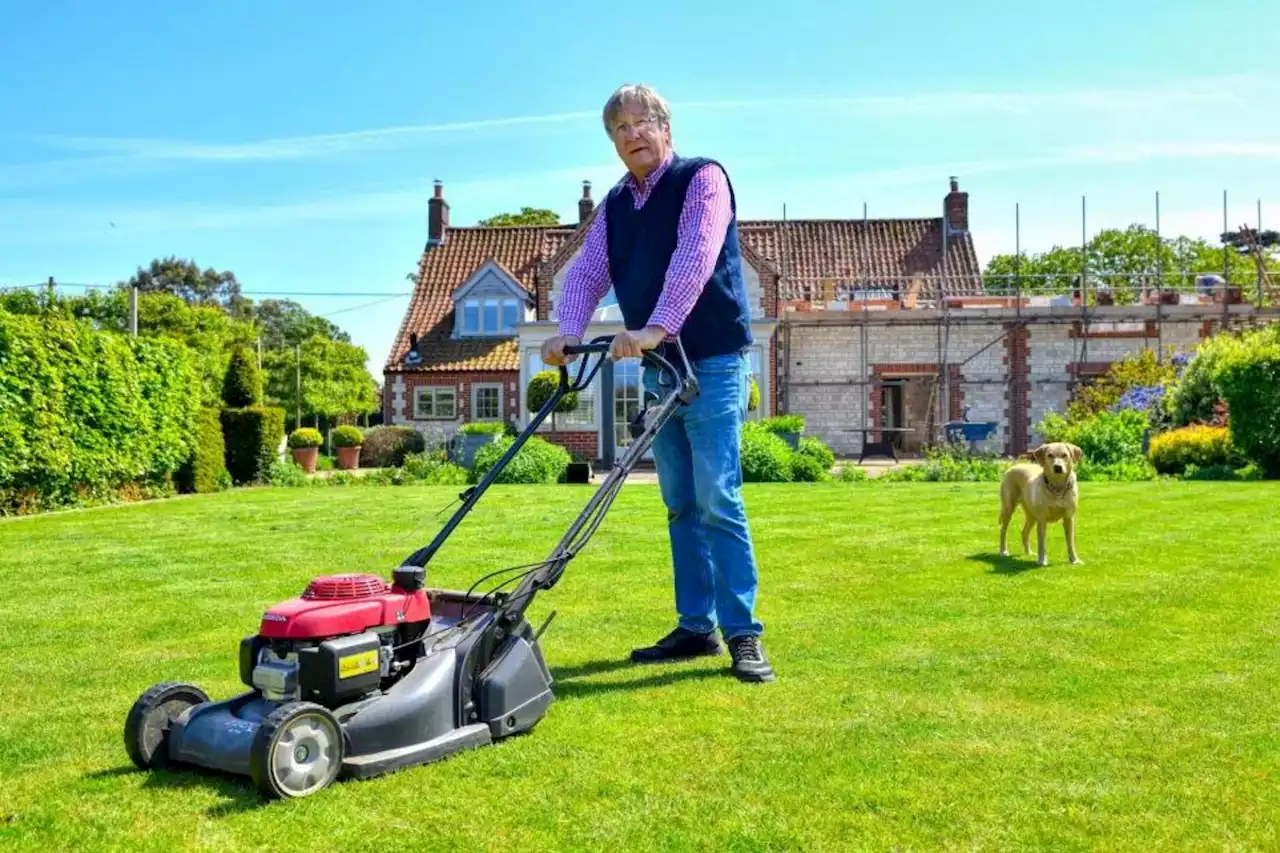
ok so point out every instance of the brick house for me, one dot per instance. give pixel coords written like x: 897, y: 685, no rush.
x: 486, y: 299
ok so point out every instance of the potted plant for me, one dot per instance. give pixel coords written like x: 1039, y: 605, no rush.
x: 471, y: 437
x: 348, y: 440
x: 787, y: 427
x: 305, y: 445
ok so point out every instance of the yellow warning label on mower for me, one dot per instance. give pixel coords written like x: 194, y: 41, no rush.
x: 358, y: 664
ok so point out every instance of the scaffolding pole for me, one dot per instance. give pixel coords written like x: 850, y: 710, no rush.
x: 1159, y: 287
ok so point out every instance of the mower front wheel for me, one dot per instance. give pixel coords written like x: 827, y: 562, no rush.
x: 297, y: 751
x: 146, y: 729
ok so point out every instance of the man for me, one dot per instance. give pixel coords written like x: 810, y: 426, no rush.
x: 666, y: 239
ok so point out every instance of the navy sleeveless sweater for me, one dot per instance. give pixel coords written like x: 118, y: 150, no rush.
x: 641, y: 243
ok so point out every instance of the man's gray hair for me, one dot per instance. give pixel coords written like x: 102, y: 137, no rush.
x: 641, y: 95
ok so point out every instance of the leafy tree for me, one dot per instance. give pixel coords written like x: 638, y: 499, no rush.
x: 1126, y: 261
x: 284, y: 323
x: 193, y: 285
x: 526, y: 216
x: 334, y: 379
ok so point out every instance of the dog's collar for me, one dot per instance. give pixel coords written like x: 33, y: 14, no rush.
x: 1066, y: 487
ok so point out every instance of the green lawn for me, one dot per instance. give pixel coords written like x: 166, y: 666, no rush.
x: 931, y: 696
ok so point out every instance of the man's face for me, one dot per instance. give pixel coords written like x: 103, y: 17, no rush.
x: 641, y: 140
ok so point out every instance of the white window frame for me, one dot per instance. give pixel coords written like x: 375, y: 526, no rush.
x: 435, y: 392
x: 476, y: 388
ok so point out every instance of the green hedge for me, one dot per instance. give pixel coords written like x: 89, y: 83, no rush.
x: 252, y: 436
x: 1249, y: 379
x: 88, y: 416
x: 387, y: 446
x: 206, y: 469
x: 537, y: 461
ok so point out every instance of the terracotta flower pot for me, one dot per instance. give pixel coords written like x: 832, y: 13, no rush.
x: 306, y: 457
x: 349, y: 458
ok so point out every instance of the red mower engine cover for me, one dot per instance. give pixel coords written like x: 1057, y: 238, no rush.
x: 344, y: 604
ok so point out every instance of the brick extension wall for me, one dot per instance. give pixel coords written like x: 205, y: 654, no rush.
x: 461, y: 382
x: 581, y: 443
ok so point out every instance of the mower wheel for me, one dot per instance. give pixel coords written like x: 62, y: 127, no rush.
x: 297, y: 751
x: 146, y: 729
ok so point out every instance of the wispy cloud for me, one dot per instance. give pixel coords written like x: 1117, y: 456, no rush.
x: 1219, y: 92
x: 55, y: 222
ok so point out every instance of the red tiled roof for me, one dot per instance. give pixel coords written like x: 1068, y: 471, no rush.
x: 519, y: 250
x: 883, y: 251
x: 879, y: 250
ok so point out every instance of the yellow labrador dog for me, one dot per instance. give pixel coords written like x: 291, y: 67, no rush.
x: 1046, y: 491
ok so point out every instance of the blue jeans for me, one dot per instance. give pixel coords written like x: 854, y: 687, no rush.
x: 699, y: 474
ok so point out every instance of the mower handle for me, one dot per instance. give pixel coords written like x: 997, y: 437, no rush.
x: 600, y: 346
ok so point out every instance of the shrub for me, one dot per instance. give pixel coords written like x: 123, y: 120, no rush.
x: 89, y: 416
x: 948, y: 465
x: 1222, y: 472
x: 1140, y: 370
x: 284, y: 473
x: 765, y: 457
x: 814, y: 447
x: 852, y: 474
x: 784, y: 423
x: 1105, y: 438
x: 806, y: 469
x: 483, y: 428
x: 252, y: 436
x: 206, y: 469
x: 753, y: 397
x: 1248, y: 377
x: 431, y: 469
x: 304, y: 437
x: 347, y: 436
x: 1199, y: 445
x: 537, y: 461
x: 387, y: 446
x: 542, y: 387
x: 242, y: 385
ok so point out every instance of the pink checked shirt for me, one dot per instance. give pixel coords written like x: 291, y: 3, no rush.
x: 699, y: 237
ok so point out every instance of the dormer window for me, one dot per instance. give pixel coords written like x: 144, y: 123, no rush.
x: 490, y: 303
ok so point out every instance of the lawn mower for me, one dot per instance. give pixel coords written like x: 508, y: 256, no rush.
x: 358, y: 676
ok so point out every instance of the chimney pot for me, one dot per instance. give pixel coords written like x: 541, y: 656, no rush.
x: 437, y: 216
x: 585, y: 204
x: 956, y: 208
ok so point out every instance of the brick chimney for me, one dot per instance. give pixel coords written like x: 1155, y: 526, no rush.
x: 956, y: 208
x: 585, y: 204
x: 437, y: 216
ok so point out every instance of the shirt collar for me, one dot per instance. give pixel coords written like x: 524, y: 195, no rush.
x: 652, y: 178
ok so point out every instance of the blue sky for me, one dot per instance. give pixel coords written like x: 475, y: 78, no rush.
x: 295, y: 144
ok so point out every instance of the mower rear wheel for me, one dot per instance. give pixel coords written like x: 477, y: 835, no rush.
x: 146, y: 729
x: 297, y: 751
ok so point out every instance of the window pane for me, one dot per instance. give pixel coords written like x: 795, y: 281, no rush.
x: 486, y: 404
x: 470, y: 317
x: 444, y: 403
x: 510, y: 315
x: 490, y: 316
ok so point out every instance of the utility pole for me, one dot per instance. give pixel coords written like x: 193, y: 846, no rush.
x: 133, y: 311
x: 297, y: 399
x: 48, y: 305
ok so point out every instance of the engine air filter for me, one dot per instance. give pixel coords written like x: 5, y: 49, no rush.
x: 334, y: 587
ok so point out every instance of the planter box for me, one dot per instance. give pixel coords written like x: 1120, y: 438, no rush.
x: 349, y: 458
x: 462, y: 450
x: 791, y: 438
x: 306, y: 457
